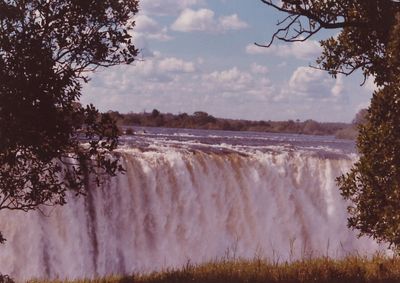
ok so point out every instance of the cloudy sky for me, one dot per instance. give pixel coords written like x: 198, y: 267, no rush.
x: 199, y: 55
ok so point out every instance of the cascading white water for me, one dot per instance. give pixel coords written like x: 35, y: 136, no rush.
x: 176, y: 205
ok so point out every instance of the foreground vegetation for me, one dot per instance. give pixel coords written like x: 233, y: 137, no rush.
x: 322, y: 270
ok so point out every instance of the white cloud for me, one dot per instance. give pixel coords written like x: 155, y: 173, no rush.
x: 232, y: 22
x: 173, y: 64
x: 309, y: 49
x: 231, y: 77
x: 307, y: 80
x: 145, y: 24
x: 259, y: 69
x: 239, y: 85
x: 149, y: 28
x: 153, y: 69
x: 167, y: 7
x: 313, y: 84
x: 338, y: 89
x: 190, y: 20
x: 204, y: 20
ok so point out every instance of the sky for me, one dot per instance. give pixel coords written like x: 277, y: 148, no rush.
x: 199, y: 55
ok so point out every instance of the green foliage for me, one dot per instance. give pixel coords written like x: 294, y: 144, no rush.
x: 47, y: 48
x: 373, y: 184
x: 322, y: 270
x: 362, y: 42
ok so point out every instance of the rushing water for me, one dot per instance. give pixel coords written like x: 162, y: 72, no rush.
x: 190, y: 195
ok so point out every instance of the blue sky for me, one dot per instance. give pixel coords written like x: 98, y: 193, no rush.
x: 199, y: 55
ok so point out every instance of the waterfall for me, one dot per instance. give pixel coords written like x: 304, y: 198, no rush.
x: 175, y: 205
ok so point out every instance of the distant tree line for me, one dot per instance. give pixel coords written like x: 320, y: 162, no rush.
x: 203, y: 120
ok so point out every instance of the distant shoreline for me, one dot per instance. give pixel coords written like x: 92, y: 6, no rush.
x: 202, y: 120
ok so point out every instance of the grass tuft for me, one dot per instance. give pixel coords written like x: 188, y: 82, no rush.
x: 354, y: 269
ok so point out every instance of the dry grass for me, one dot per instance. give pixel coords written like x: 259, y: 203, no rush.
x: 323, y: 270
